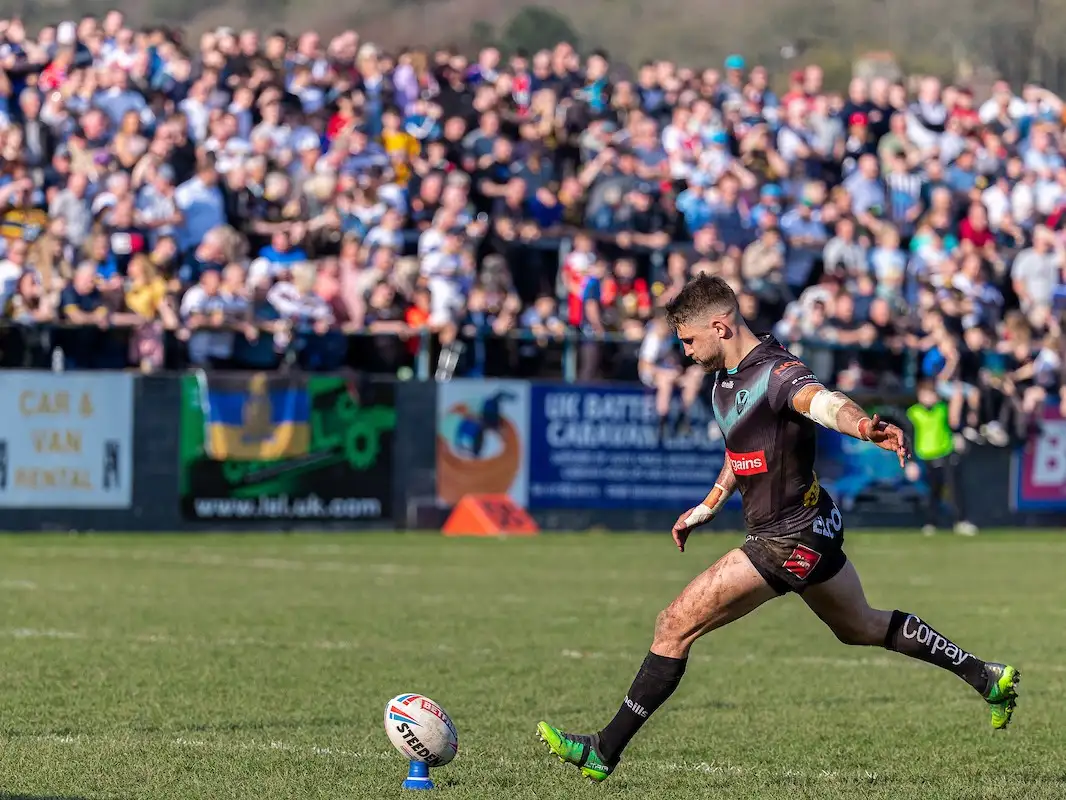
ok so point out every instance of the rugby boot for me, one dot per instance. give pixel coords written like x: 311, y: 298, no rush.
x: 1002, y: 695
x: 577, y: 749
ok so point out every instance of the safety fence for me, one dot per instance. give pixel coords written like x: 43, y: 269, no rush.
x: 218, y: 450
x: 480, y: 352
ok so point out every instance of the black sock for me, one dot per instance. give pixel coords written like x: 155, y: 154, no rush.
x: 655, y: 682
x: 912, y: 637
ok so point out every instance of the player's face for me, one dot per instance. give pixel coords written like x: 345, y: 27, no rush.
x: 703, y: 344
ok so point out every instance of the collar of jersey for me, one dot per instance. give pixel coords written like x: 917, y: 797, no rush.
x: 765, y: 339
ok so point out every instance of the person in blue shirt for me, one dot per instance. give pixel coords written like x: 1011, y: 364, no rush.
x: 770, y: 199
x: 280, y: 251
x: 693, y: 204
x: 591, y: 326
x: 961, y: 176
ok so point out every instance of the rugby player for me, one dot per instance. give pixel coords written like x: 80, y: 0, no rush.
x: 767, y: 403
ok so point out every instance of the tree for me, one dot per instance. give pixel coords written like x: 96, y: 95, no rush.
x: 534, y: 28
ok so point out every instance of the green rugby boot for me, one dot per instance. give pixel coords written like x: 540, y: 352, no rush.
x: 577, y: 749
x: 1002, y: 695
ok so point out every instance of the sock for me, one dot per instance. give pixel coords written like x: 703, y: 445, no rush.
x: 912, y: 637
x: 655, y: 682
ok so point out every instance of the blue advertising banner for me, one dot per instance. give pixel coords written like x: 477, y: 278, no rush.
x: 599, y: 447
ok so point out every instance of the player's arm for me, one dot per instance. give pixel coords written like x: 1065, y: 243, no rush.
x: 715, y: 500
x: 837, y: 412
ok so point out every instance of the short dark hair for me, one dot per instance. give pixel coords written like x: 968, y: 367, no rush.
x: 704, y: 294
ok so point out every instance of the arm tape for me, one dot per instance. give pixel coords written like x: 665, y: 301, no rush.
x: 703, y: 513
x: 825, y: 407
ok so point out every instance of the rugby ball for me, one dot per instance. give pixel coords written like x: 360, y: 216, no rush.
x: 421, y: 729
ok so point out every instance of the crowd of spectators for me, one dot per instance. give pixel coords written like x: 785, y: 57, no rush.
x: 248, y: 199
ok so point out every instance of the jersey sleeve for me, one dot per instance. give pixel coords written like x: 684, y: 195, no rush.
x: 787, y: 377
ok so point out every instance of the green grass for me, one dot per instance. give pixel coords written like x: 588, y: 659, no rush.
x: 258, y: 667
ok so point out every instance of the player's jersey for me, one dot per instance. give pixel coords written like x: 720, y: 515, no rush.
x: 771, y: 447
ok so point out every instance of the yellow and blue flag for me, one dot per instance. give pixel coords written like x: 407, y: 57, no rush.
x: 256, y: 418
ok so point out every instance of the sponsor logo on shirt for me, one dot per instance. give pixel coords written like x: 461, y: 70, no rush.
x: 802, y: 562
x: 742, y: 399
x: 727, y: 384
x: 785, y: 366
x: 753, y: 463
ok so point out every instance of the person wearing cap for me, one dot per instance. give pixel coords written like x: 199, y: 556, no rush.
x: 771, y: 199
x: 857, y: 142
x: 732, y: 88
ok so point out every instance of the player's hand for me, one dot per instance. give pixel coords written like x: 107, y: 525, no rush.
x: 688, y: 522
x: 888, y: 437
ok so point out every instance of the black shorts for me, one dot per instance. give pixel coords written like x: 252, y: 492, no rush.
x: 795, y: 561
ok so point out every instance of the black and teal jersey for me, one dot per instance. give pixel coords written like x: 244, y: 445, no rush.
x: 770, y: 447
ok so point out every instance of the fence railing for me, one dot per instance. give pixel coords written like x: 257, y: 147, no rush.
x: 417, y: 354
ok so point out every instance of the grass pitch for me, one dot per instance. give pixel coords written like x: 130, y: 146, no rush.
x: 181, y: 667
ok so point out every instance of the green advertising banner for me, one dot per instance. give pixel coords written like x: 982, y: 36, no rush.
x: 260, y: 446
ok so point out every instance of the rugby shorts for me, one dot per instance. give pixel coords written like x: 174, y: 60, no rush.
x: 807, y: 557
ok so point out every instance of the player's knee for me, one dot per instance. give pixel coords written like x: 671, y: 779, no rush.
x: 668, y: 627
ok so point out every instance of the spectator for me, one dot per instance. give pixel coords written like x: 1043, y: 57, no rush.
x: 936, y: 451
x: 272, y: 152
x: 146, y: 298
x: 660, y: 368
x: 82, y: 304
x: 1038, y: 270
x: 204, y: 312
x: 202, y: 206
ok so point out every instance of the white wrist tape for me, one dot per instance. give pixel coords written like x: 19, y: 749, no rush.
x: 700, y: 514
x: 825, y: 407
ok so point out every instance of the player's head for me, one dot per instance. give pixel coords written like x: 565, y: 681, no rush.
x: 926, y: 391
x: 705, y: 315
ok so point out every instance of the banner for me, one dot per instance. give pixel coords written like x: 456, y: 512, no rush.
x: 482, y: 439
x: 66, y: 440
x: 1039, y: 468
x: 289, y: 447
x: 600, y: 448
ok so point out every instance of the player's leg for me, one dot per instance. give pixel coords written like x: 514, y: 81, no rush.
x: 665, y: 380
x: 841, y: 604
x: 691, y: 381
x: 726, y: 591
x: 954, y: 498
x: 934, y: 477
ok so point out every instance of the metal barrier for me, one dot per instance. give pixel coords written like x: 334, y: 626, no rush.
x: 518, y: 353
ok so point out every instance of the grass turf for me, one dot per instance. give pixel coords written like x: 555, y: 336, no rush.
x: 258, y: 666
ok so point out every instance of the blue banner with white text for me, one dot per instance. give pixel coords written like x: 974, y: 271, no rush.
x: 600, y: 447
